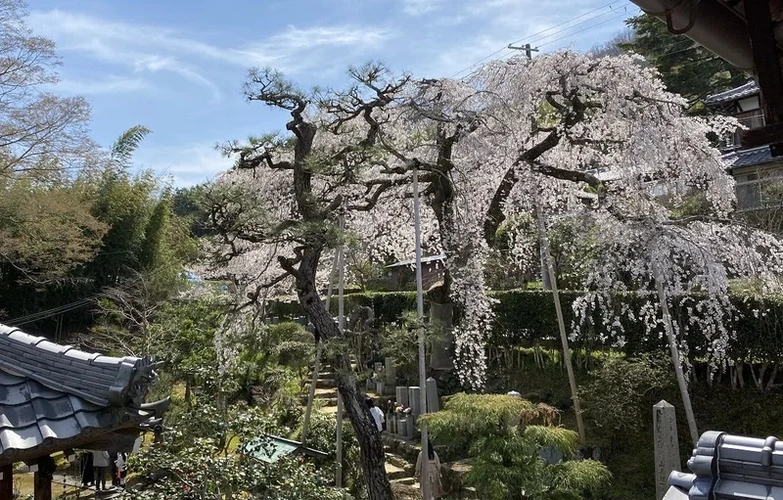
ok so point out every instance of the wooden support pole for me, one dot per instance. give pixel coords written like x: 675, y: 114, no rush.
x: 425, y: 463
x: 42, y: 479
x: 667, y: 447
x: 7, y: 482
x: 341, y: 326
x: 550, y: 270
x: 675, y: 353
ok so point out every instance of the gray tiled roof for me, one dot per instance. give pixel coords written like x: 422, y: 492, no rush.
x: 53, y: 396
x: 103, y: 380
x: 731, y: 467
x: 750, y: 157
x: 746, y: 90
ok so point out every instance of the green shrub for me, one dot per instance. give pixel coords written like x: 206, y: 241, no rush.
x: 503, y: 436
x: 619, y: 398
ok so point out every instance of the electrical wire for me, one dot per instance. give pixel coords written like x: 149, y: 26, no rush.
x: 623, y: 5
x: 607, y: 13
x: 31, y: 318
x: 527, y: 37
x: 593, y: 26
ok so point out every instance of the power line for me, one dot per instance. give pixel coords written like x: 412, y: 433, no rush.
x: 607, y: 13
x: 31, y: 318
x: 528, y: 37
x: 569, y: 35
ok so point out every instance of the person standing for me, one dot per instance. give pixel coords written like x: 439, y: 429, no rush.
x: 100, y: 463
x: 434, y: 479
x: 121, y: 467
x: 376, y: 413
x: 88, y: 474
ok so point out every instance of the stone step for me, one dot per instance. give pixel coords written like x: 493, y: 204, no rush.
x: 398, y: 461
x: 407, y: 481
x: 332, y: 409
x: 325, y: 383
x: 325, y: 393
x: 394, y: 472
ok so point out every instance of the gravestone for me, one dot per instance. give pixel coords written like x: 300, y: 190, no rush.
x: 390, y: 374
x: 443, y: 344
x: 378, y: 375
x: 414, y: 400
x: 433, y: 403
x: 550, y: 455
x: 402, y: 396
x: 667, y: 448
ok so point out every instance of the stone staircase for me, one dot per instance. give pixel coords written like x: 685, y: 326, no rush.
x: 325, y: 391
x: 401, y: 474
x: 399, y: 467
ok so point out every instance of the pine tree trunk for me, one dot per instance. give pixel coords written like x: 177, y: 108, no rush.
x: 367, y: 434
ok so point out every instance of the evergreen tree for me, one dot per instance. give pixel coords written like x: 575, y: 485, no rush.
x: 686, y: 67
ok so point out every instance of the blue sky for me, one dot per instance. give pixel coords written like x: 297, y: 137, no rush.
x: 177, y: 66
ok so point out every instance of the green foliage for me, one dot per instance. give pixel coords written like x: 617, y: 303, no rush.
x: 151, y: 251
x: 527, y: 317
x: 46, y: 228
x: 321, y: 436
x: 189, y: 205
x: 571, y: 479
x: 388, y: 307
x: 572, y: 247
x: 194, y: 461
x: 563, y: 440
x: 124, y: 203
x: 686, y: 68
x: 467, y: 416
x: 123, y: 148
x: 503, y: 436
x: 399, y: 340
x: 186, y: 334
x: 619, y: 397
x: 506, y: 468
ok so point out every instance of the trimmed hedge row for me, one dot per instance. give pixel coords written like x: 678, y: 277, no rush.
x: 387, y: 306
x: 525, y: 317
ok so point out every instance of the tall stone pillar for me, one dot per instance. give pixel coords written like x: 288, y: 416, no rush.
x: 667, y: 447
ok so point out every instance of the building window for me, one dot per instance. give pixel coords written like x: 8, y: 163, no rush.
x: 752, y: 120
x: 760, y: 189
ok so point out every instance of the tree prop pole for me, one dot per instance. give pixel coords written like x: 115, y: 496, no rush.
x: 675, y: 352
x: 341, y: 326
x: 425, y: 463
x: 317, y: 367
x: 547, y: 258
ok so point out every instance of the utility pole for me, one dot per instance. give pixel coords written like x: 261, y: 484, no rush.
x: 341, y: 325
x: 425, y: 460
x: 528, y: 50
x: 546, y: 283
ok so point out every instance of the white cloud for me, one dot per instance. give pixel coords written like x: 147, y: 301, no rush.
x: 296, y: 50
x: 158, y: 63
x: 420, y: 7
x: 187, y: 164
x: 110, y: 85
x: 155, y: 48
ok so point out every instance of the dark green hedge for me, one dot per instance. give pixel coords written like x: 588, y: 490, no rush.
x: 525, y: 317
x: 388, y: 306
